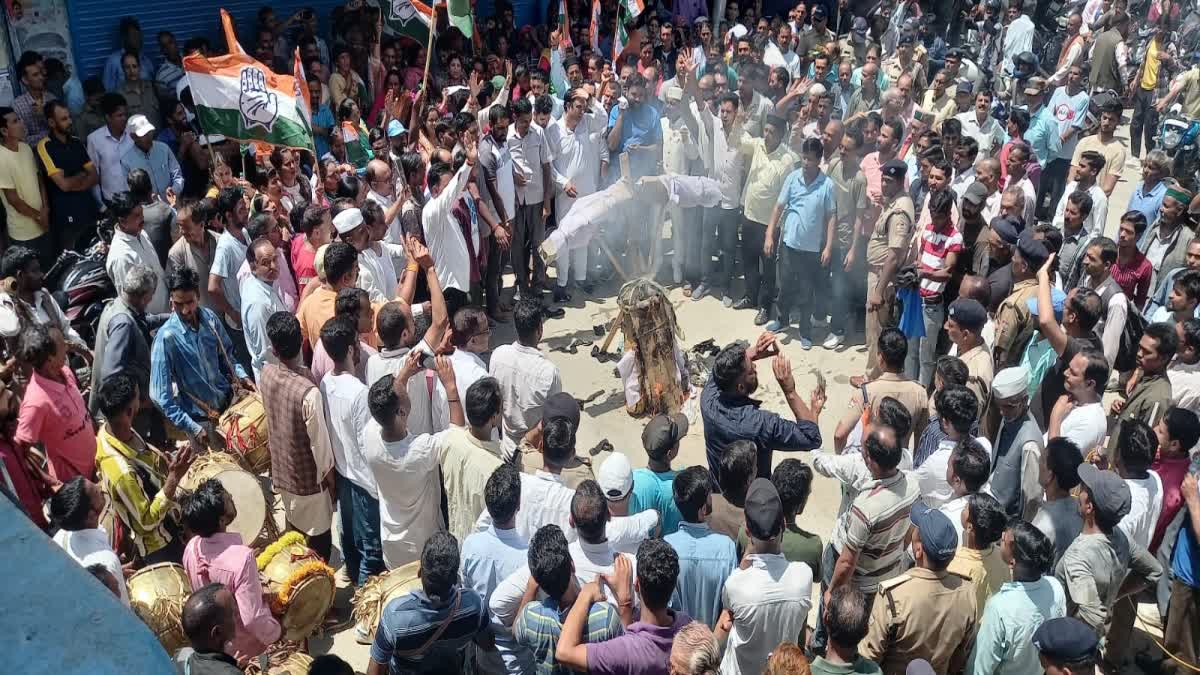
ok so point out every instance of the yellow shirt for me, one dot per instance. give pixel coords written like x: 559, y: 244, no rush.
x: 986, y: 570
x: 19, y: 172
x: 765, y: 179
x: 1150, y: 67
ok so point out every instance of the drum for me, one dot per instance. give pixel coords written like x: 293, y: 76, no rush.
x: 156, y: 595
x: 300, y: 584
x: 254, y: 521
x: 244, y: 426
x: 370, y: 600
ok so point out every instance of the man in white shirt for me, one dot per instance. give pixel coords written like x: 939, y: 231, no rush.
x: 382, y: 191
x: 531, y: 171
x: 131, y: 246
x: 376, y: 269
x: 107, y: 145
x: 967, y: 474
x: 980, y: 125
x: 957, y: 410
x: 1086, y: 171
x: 575, y: 142
x: 1137, y: 445
x: 779, y: 54
x: 443, y: 236
x: 1079, y: 414
x: 767, y: 600
x: 404, y: 466
x: 721, y: 140
x: 260, y: 300
x: 1018, y: 35
x: 1018, y: 157
x: 526, y: 376
x: 344, y: 399
x: 471, y: 336
x: 545, y: 499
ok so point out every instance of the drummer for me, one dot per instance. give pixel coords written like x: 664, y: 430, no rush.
x: 140, y: 480
x: 217, y: 556
x: 191, y: 364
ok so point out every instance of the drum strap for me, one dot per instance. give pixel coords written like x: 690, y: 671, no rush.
x: 436, y: 634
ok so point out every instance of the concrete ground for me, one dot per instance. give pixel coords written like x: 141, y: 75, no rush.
x: 605, y: 418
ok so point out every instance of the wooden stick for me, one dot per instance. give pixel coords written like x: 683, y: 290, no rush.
x: 612, y: 330
x: 429, y: 50
x: 612, y: 258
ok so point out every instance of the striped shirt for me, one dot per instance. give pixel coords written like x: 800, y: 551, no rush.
x: 133, y: 475
x: 875, y: 526
x: 540, y: 624
x: 409, y: 621
x: 935, y: 246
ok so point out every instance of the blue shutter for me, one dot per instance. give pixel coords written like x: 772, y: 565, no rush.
x: 94, y: 24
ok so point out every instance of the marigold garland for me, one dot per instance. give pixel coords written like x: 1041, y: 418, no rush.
x: 273, y: 550
x: 305, y: 571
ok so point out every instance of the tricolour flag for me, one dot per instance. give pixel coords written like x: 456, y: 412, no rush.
x: 594, y: 29
x: 620, y: 36
x: 243, y: 100
x: 412, y: 19
x: 231, y: 40
x: 564, y: 25
x: 634, y: 7
x: 303, y: 95
x: 459, y: 13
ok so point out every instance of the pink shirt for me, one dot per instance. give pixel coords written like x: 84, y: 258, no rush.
x: 1172, y: 471
x: 321, y: 363
x: 304, y: 263
x: 223, y: 559
x: 56, y: 415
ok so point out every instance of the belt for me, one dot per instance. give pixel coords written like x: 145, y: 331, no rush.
x: 934, y: 300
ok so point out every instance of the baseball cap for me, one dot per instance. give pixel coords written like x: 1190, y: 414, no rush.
x: 1058, y: 300
x: 964, y: 86
x: 968, y: 313
x: 347, y: 220
x: 615, y: 477
x: 1008, y: 228
x: 662, y: 433
x: 140, y: 126
x: 906, y: 40
x: 975, y: 193
x: 1066, y: 639
x: 937, y: 533
x: 818, y: 12
x: 1110, y: 494
x: 764, y: 509
x: 395, y: 128
x: 561, y: 406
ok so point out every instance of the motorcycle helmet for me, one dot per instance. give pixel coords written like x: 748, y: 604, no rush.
x: 1025, y: 65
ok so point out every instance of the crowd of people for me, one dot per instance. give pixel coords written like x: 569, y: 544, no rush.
x: 948, y: 204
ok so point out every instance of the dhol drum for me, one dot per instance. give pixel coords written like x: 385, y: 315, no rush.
x: 244, y: 426
x: 282, y: 663
x: 255, y: 521
x: 300, y: 585
x: 156, y: 595
x: 370, y: 600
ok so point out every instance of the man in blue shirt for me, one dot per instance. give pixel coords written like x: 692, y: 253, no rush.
x: 427, y: 630
x: 706, y: 558
x: 807, y: 206
x: 635, y: 128
x: 731, y: 415
x: 1184, y: 610
x: 1148, y: 196
x: 191, y: 372
x: 1042, y: 134
x: 652, y: 485
x: 153, y: 157
x: 131, y: 40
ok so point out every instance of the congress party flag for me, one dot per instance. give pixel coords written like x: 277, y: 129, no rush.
x: 243, y: 100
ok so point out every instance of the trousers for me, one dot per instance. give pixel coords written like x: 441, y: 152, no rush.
x: 758, y: 269
x: 720, y: 235
x: 798, y: 280
x: 876, y: 321
x: 529, y: 231
x: 358, y: 514
x: 1144, y: 121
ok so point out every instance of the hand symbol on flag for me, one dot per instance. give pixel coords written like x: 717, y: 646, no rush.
x: 259, y: 106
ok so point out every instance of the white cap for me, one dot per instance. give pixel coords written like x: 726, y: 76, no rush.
x: 347, y: 220
x: 615, y: 477
x: 1011, y: 382
x: 816, y: 90
x: 140, y: 126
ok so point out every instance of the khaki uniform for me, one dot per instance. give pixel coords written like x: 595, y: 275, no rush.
x: 892, y: 230
x: 980, y: 370
x: 529, y: 460
x: 922, y: 614
x: 1015, y: 324
x: 910, y: 394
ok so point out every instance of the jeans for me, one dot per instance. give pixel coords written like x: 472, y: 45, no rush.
x: 1143, y: 122
x: 759, y: 269
x: 529, y: 231
x: 828, y: 561
x: 359, y: 519
x: 692, y: 223
x: 720, y: 234
x: 845, y: 291
x: 798, y: 274
x: 922, y: 352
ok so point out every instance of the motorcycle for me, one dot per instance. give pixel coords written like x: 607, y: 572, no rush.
x: 1177, y: 137
x: 80, y: 284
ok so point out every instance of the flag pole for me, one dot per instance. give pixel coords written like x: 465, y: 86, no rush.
x: 429, y: 51
x: 212, y: 154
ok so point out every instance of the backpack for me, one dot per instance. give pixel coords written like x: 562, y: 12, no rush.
x: 1131, y: 335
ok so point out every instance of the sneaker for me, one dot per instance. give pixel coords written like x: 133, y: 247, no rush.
x: 561, y: 294
x: 775, y: 326
x: 744, y: 303
x: 700, y: 291
x: 361, y: 634
x: 726, y: 301
x: 762, y: 317
x: 805, y: 343
x: 832, y: 341
x: 552, y: 312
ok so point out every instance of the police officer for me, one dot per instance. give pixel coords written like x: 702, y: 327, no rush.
x: 928, y: 613
x: 886, y: 252
x: 1015, y: 324
x: 1067, y: 646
